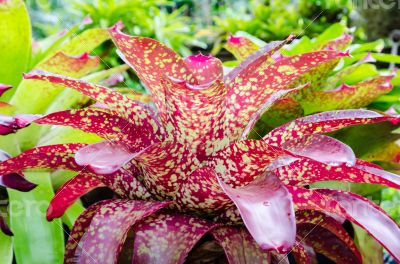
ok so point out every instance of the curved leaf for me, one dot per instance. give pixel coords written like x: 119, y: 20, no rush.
x: 266, y: 198
x: 324, y: 123
x: 108, y: 229
x: 167, y: 238
x: 69, y: 192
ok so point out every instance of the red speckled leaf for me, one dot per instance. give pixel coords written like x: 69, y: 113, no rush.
x: 165, y: 166
x: 276, y: 98
x: 240, y: 47
x: 370, y: 217
x: 59, y: 156
x: 104, y: 123
x: 239, y: 246
x: 326, y: 243
x: 125, y: 182
x: 300, y: 253
x: 196, y: 114
x: 108, y: 229
x: 242, y: 161
x: 69, y: 192
x: 306, y: 171
x: 346, y: 97
x: 81, y: 225
x: 126, y: 107
x: 202, y: 192
x: 73, y: 66
x: 206, y: 69
x: 152, y: 61
x: 310, y: 217
x: 264, y: 56
x: 340, y: 43
x: 283, y: 111
x: 250, y: 89
x: 324, y: 123
x: 167, y: 238
x: 104, y: 157
x: 266, y: 198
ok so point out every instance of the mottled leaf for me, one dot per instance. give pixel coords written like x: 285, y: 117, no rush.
x: 241, y: 162
x: 165, y: 166
x: 251, y: 88
x: 196, y: 115
x: 108, y: 229
x: 167, y: 238
x: 201, y: 192
x: 239, y: 246
x: 69, y: 192
x: 152, y: 61
x: 324, y: 123
x: 49, y: 157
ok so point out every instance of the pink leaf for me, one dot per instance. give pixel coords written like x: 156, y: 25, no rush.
x: 104, y: 157
x: 10, y: 124
x: 370, y: 217
x: 4, y: 88
x: 267, y: 211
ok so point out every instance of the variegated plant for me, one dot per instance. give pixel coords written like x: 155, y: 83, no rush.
x: 350, y: 84
x: 184, y: 168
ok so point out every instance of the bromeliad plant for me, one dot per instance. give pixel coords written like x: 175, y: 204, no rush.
x: 185, y: 167
x: 353, y: 82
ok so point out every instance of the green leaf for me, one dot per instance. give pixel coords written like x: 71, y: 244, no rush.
x: 334, y: 31
x: 6, y: 249
x: 376, y: 46
x: 86, y: 41
x: 15, y: 43
x: 35, y: 239
x: 6, y: 245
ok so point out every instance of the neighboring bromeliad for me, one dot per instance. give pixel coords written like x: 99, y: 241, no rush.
x: 184, y: 168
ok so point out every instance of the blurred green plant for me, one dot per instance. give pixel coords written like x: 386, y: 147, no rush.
x: 271, y: 20
x: 149, y: 18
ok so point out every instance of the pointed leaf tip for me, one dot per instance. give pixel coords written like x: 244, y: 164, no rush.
x: 10, y: 124
x: 4, y: 88
x: 5, y: 228
x: 16, y: 181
